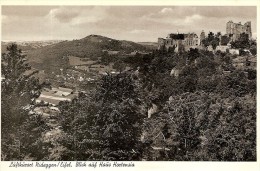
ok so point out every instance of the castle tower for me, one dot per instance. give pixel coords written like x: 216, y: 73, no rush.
x: 202, y: 36
x: 235, y: 29
x: 161, y: 43
x: 247, y: 29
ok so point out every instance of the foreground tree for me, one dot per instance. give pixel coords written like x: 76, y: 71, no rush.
x: 202, y: 126
x: 107, y: 124
x: 18, y: 129
x: 120, y: 118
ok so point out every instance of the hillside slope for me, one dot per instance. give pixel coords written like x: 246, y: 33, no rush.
x: 150, y: 45
x: 88, y: 47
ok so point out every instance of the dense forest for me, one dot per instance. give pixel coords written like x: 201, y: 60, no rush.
x: 199, y: 113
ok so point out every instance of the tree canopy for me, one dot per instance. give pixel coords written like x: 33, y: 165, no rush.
x: 18, y: 89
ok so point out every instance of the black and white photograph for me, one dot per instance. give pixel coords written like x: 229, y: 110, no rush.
x: 128, y: 83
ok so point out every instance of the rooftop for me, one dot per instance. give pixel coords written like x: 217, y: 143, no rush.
x: 55, y: 95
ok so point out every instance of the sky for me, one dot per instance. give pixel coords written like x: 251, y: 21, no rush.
x: 134, y: 23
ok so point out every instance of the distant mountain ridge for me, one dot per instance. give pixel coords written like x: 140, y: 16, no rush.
x: 28, y: 45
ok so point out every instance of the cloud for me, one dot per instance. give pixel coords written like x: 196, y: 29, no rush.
x: 226, y: 11
x: 192, y: 19
x: 63, y: 15
x: 181, y: 12
x: 166, y: 10
x: 75, y: 15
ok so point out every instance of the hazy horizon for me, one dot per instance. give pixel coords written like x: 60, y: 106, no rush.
x: 133, y: 23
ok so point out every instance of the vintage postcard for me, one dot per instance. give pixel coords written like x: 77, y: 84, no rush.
x: 129, y: 85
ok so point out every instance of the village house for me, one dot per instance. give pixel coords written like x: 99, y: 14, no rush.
x: 55, y: 95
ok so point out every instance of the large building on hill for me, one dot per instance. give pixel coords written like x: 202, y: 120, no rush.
x: 235, y: 29
x: 202, y: 36
x: 179, y: 41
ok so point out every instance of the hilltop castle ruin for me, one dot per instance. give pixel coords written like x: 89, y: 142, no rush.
x: 235, y: 29
x: 183, y: 42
